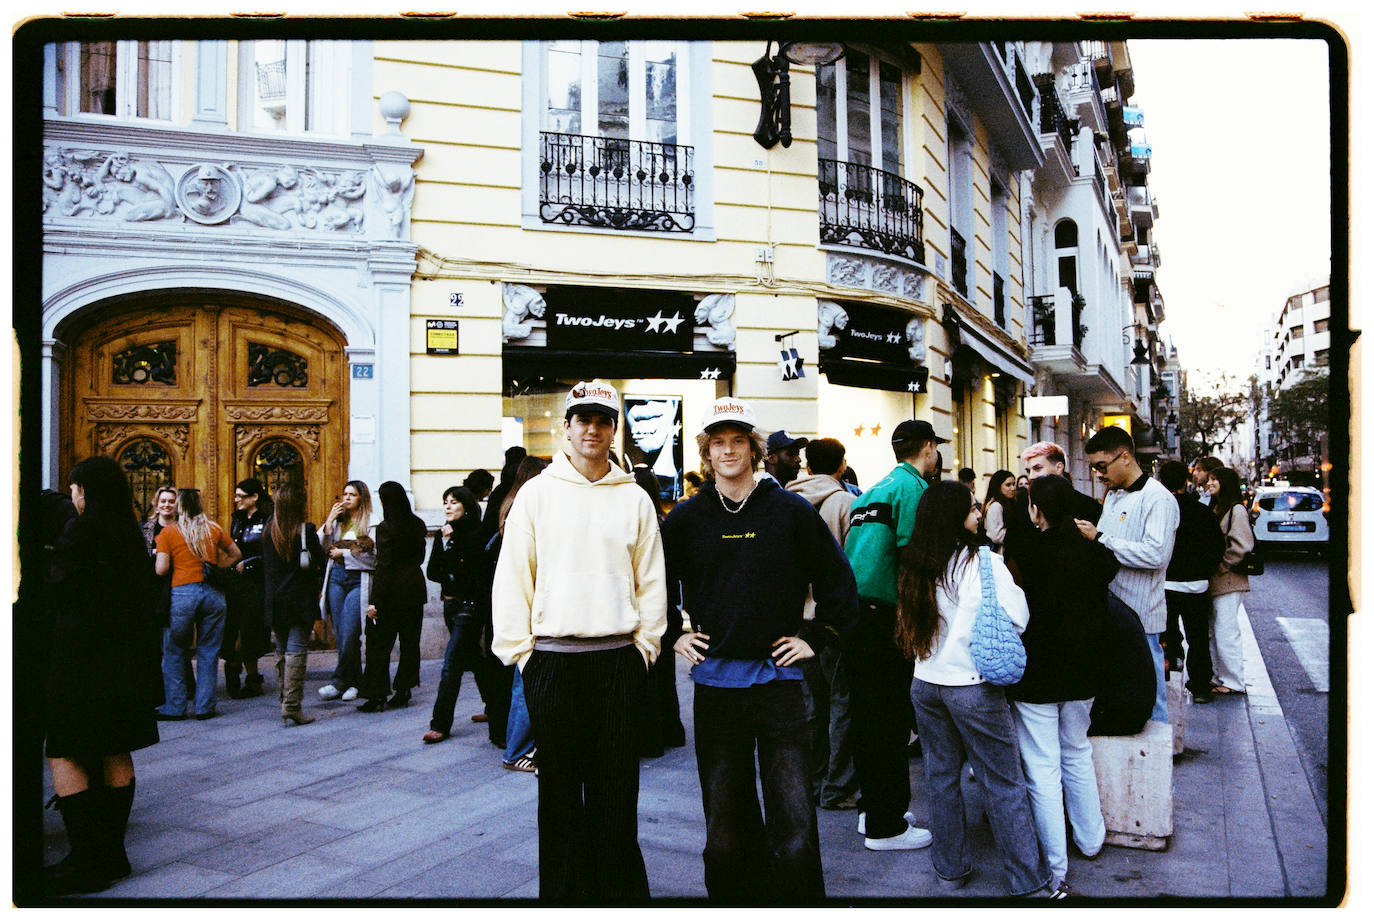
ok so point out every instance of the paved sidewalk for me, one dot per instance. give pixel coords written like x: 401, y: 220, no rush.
x: 354, y: 806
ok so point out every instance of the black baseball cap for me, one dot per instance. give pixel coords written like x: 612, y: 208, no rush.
x: 781, y: 440
x: 915, y: 430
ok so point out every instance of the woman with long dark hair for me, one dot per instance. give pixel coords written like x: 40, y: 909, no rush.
x: 1226, y: 584
x: 999, y: 507
x: 290, y: 592
x: 347, y: 538
x: 961, y: 717
x: 395, y: 605
x: 103, y: 676
x: 1065, y: 577
x: 198, y: 608
x: 245, y: 629
x: 456, y: 563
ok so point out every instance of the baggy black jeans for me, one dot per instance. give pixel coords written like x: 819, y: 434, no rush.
x: 464, y: 653
x: 750, y: 860
x: 403, y: 622
x: 880, y: 720
x: 583, y: 709
x: 1194, y: 611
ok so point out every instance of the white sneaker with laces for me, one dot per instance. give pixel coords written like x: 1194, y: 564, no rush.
x: 863, y: 825
x: 913, y: 838
x: 329, y: 692
x: 350, y: 694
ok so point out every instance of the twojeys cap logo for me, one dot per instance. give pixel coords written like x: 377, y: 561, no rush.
x: 593, y: 391
x: 729, y: 410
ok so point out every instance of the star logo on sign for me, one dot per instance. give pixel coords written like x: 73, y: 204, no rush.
x: 858, y: 432
x: 877, y: 428
x: 913, y: 387
x: 893, y: 338
x: 711, y: 373
x: 655, y: 321
x: 670, y: 325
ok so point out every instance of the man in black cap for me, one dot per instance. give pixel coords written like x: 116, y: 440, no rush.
x: 783, y: 460
x: 880, y: 678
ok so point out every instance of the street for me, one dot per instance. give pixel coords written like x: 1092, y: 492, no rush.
x: 1288, y: 612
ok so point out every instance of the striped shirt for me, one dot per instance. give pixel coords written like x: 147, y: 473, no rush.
x: 1138, y: 525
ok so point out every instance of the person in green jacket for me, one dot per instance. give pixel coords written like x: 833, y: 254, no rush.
x: 880, y: 524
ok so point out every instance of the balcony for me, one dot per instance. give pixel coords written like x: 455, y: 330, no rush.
x: 1144, y: 208
x: 615, y: 183
x: 958, y: 262
x: 1042, y: 320
x: 872, y: 209
x: 1085, y: 94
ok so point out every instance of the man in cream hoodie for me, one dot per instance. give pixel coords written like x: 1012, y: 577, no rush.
x: 832, y: 750
x: 579, y: 604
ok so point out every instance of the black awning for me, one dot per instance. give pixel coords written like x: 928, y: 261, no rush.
x: 526, y: 363
x: 873, y: 375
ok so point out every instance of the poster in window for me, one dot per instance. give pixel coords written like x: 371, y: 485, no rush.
x: 653, y: 427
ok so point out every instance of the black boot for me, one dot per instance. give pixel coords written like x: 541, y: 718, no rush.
x: 119, y: 801
x: 84, y: 869
x: 231, y: 679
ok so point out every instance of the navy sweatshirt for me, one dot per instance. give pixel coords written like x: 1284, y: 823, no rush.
x: 744, y: 577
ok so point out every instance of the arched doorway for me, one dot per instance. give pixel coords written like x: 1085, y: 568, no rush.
x: 203, y: 393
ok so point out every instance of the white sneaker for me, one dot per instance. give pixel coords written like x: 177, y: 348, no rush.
x: 863, y: 825
x: 350, y: 694
x: 329, y: 692
x: 913, y: 838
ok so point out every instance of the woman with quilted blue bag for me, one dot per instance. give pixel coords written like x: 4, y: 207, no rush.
x: 957, y: 605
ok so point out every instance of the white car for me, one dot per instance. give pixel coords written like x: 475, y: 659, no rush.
x: 1289, y: 517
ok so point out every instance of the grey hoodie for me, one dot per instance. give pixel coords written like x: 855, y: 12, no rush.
x: 832, y: 501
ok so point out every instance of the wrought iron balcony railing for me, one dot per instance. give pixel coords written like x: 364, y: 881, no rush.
x: 1042, y: 320
x: 617, y: 183
x: 1053, y: 119
x: 870, y: 208
x: 958, y: 261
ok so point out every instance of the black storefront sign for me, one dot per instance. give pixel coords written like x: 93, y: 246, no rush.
x: 874, y: 351
x: 874, y: 334
x: 618, y: 320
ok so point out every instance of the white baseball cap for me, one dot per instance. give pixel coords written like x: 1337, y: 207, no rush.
x: 593, y: 397
x: 729, y: 409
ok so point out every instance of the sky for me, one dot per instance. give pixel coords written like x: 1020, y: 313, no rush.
x: 1240, y: 131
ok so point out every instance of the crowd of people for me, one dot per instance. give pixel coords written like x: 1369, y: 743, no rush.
x: 832, y: 634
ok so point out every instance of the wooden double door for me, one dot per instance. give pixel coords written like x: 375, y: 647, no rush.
x: 203, y: 394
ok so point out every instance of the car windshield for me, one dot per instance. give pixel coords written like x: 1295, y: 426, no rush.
x: 1291, y: 501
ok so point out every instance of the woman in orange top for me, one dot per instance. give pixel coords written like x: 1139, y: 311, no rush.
x: 197, y: 608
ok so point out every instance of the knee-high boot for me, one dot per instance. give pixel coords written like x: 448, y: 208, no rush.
x: 84, y: 869
x: 281, y: 677
x: 119, y: 801
x: 293, y: 688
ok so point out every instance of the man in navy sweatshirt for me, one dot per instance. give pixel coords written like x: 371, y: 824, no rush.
x: 743, y: 554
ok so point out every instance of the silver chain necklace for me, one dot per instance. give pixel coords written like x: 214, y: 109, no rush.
x: 744, y: 502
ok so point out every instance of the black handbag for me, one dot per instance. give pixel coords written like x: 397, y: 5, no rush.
x: 217, y: 577
x: 1251, y: 564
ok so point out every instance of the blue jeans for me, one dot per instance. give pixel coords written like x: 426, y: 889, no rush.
x: 343, y: 599
x: 519, y: 737
x: 750, y: 859
x: 292, y: 641
x: 197, y: 613
x: 974, y: 724
x: 1161, y: 710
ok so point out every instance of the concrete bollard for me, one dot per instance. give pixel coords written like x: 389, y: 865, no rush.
x: 1175, y: 694
x: 1135, y: 779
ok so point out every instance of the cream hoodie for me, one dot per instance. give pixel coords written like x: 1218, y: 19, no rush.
x: 579, y: 559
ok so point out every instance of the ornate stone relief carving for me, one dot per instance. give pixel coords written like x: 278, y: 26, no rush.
x: 715, y: 310
x: 876, y: 275
x: 521, y: 302
x: 94, y: 185
x: 830, y: 316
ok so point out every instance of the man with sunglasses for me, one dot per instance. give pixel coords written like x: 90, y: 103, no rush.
x: 1138, y: 524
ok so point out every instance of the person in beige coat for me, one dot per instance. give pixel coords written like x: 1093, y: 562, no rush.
x: 1226, y: 584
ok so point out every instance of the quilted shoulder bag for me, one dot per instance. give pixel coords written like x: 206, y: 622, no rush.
x: 997, y: 651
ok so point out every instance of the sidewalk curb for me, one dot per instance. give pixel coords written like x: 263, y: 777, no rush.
x: 1300, y: 834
